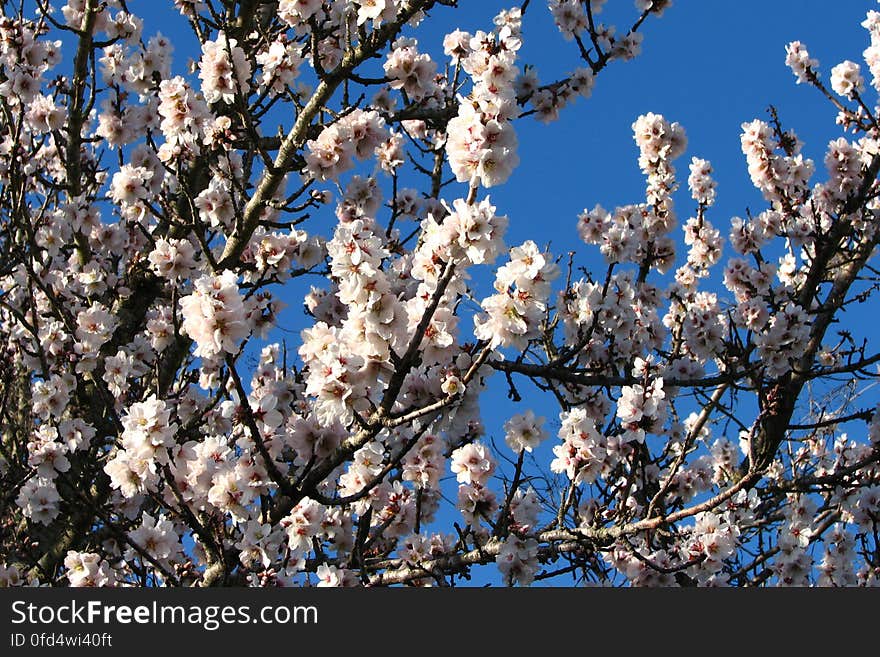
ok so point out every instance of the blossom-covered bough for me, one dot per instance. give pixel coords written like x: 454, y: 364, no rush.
x: 153, y: 221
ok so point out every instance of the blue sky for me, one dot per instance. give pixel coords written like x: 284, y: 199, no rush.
x: 707, y: 64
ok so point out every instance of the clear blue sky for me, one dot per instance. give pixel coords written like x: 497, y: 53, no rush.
x: 709, y: 65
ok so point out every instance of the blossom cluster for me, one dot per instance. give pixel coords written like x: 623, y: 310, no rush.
x: 481, y: 141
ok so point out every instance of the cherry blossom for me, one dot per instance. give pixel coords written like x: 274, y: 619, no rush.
x: 269, y: 317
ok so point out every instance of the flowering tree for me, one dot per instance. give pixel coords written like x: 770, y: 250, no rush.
x: 152, y: 218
